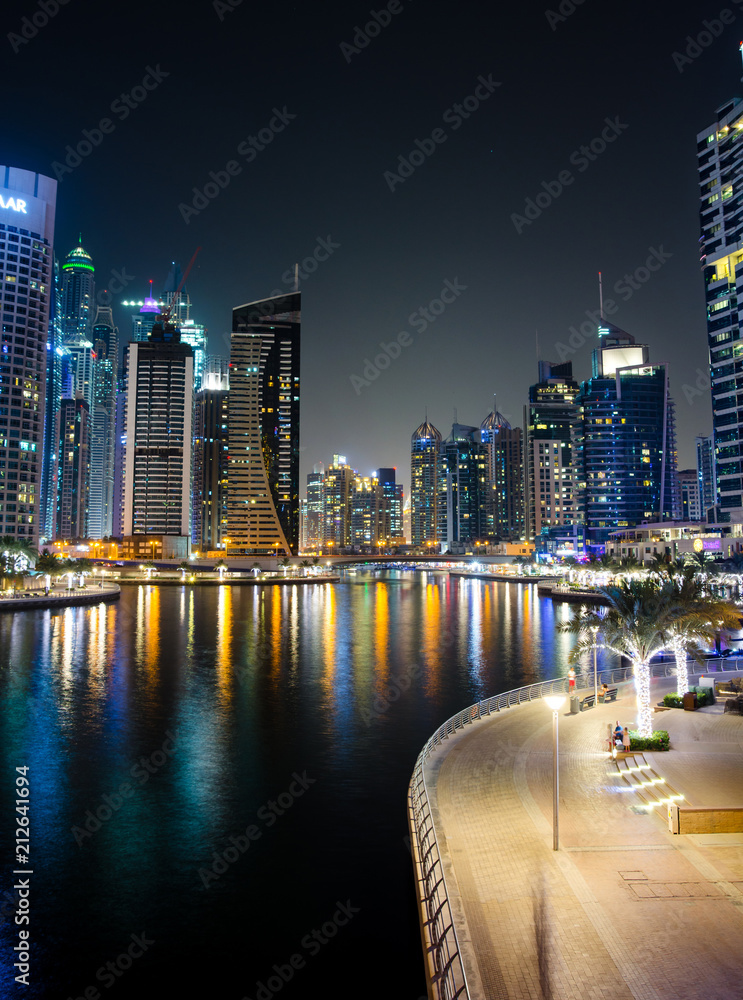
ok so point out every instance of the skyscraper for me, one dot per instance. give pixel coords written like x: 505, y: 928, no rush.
x: 625, y: 447
x: 504, y: 505
x: 425, y: 459
x: 314, y: 523
x: 263, y: 469
x: 158, y: 436
x: 27, y: 208
x: 549, y: 421
x: 73, y: 468
x: 720, y: 161
x: 338, y: 487
x: 78, y: 293
x: 463, y: 487
x: 103, y: 437
x: 706, y: 473
x: 210, y: 464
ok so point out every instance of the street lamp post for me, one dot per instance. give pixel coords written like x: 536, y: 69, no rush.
x: 555, y: 702
x: 595, y: 674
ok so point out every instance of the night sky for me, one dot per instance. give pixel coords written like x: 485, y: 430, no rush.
x: 332, y: 108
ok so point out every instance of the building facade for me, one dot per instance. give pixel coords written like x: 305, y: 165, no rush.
x: 73, y: 469
x: 209, y: 518
x: 624, y: 444
x: 27, y: 209
x: 158, y: 436
x: 263, y: 470
x: 105, y: 336
x: 720, y: 161
x: 550, y: 418
x: 425, y: 459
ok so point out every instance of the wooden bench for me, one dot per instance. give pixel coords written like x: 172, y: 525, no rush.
x: 587, y: 702
x: 611, y: 695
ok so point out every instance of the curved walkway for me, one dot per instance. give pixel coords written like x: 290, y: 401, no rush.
x: 62, y: 597
x: 624, y: 910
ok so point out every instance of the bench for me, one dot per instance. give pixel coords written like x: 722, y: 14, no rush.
x: 611, y: 695
x: 587, y: 702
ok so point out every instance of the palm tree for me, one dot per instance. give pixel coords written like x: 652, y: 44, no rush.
x: 184, y: 567
x: 19, y: 553
x: 698, y: 619
x: 305, y: 565
x: 284, y: 564
x: 635, y: 625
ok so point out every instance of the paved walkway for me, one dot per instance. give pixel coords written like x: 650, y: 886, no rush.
x: 624, y: 910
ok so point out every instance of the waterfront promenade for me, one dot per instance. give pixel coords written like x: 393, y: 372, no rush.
x: 624, y: 910
x: 60, y: 597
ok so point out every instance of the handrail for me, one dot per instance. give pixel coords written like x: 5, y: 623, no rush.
x: 447, y: 974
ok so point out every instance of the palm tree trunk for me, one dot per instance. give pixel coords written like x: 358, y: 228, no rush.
x: 682, y: 674
x: 644, y: 706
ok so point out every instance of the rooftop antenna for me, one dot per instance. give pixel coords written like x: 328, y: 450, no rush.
x: 296, y: 277
x: 601, y: 298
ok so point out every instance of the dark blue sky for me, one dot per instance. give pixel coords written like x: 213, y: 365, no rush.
x: 495, y: 102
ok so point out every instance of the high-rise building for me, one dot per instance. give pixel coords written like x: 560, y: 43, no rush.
x: 463, y: 487
x: 27, y: 207
x: 209, y: 517
x: 263, y: 470
x: 425, y: 460
x: 78, y: 293
x: 706, y: 473
x: 337, y: 492
x: 504, y: 504
x: 390, y: 504
x: 105, y: 336
x: 624, y: 445
x: 720, y: 161
x: 549, y: 421
x: 314, y: 536
x: 364, y: 512
x: 73, y: 468
x: 691, y: 508
x: 58, y: 385
x: 158, y: 436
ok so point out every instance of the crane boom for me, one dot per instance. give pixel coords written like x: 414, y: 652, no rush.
x: 177, y: 292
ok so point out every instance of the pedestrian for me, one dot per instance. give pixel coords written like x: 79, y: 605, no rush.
x: 625, y: 740
x: 571, y: 680
x: 618, y: 735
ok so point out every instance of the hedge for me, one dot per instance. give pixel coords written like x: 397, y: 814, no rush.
x: 658, y: 741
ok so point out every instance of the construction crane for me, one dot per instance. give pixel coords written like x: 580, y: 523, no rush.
x: 167, y: 313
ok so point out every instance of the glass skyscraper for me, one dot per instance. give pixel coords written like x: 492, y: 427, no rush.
x: 263, y: 470
x: 720, y: 162
x: 27, y: 213
x: 425, y: 459
x: 624, y: 444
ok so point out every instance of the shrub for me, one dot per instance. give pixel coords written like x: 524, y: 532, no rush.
x: 658, y: 741
x: 734, y: 705
x: 673, y: 700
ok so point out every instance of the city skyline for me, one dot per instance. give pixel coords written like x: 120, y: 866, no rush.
x: 374, y: 252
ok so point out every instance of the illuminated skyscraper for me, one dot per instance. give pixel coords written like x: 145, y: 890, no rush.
x: 720, y: 161
x: 425, y: 459
x: 338, y: 488
x: 78, y: 293
x: 102, y: 446
x: 625, y: 444
x: 73, y: 469
x: 263, y: 470
x: 706, y: 474
x: 158, y: 436
x: 210, y: 464
x: 463, y: 488
x: 314, y: 523
x: 550, y: 417
x: 27, y: 207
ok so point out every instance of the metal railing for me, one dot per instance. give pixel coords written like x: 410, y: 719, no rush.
x: 447, y: 973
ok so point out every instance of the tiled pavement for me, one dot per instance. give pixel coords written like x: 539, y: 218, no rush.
x: 624, y: 909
